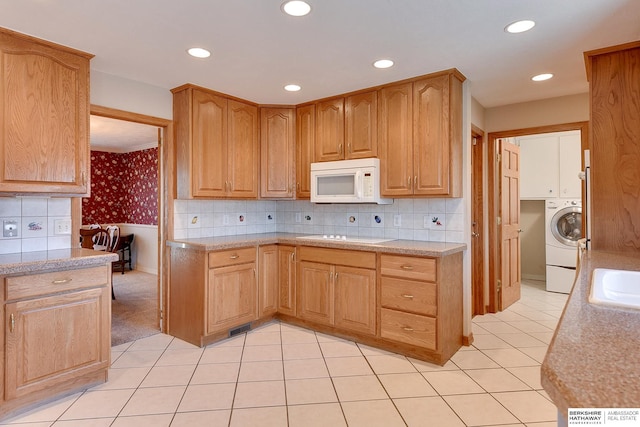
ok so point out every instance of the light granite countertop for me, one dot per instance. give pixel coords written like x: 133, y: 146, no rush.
x: 404, y: 247
x: 593, y: 360
x: 32, y: 262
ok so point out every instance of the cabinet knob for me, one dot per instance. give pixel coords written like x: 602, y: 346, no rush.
x: 407, y: 328
x: 12, y: 322
x: 60, y: 281
x: 407, y: 267
x: 234, y: 256
x: 408, y: 296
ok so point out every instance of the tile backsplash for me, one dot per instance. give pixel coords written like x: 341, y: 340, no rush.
x: 440, y: 220
x: 35, y: 218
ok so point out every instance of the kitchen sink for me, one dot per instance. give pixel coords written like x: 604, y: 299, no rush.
x: 345, y: 239
x: 619, y: 288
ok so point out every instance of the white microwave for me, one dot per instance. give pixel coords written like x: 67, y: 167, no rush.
x: 347, y: 181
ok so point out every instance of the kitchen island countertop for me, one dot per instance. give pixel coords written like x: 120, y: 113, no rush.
x: 32, y: 262
x: 593, y: 359
x: 404, y: 247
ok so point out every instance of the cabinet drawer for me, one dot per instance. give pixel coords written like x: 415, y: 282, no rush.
x: 408, y: 328
x: 409, y: 295
x: 50, y: 283
x: 338, y: 257
x: 408, y: 267
x: 232, y: 257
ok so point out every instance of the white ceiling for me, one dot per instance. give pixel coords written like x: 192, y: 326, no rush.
x: 257, y: 49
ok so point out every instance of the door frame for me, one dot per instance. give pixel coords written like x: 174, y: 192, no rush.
x: 494, y: 196
x: 478, y: 241
x: 166, y: 190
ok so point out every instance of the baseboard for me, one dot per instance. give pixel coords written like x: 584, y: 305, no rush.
x: 539, y: 277
x: 145, y: 269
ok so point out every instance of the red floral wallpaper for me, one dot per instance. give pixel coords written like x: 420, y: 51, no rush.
x: 124, y: 188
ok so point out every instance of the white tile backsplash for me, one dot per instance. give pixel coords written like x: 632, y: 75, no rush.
x: 291, y: 217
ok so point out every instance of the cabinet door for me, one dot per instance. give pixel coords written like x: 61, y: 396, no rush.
x: 355, y: 303
x: 570, y: 162
x: 330, y: 130
x: 56, y: 338
x: 243, y: 150
x: 277, y: 152
x: 431, y: 136
x: 44, y: 145
x: 268, y: 262
x: 315, y: 292
x: 305, y: 147
x: 231, y: 296
x: 209, y: 145
x: 395, y: 140
x: 361, y: 125
x: 539, y: 166
x: 287, y: 280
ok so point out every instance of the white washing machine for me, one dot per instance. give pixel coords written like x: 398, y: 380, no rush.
x: 563, y: 225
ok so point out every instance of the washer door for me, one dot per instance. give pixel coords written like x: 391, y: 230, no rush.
x: 566, y: 225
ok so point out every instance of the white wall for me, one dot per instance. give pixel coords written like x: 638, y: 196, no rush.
x: 144, y: 249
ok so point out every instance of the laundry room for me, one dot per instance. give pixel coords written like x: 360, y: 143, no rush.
x: 550, y: 208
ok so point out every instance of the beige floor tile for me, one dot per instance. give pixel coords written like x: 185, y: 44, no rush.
x: 226, y: 354
x: 261, y: 393
x: 137, y: 359
x: 158, y: 400
x: 494, y: 380
x: 161, y: 376
x: 473, y: 359
x: 275, y: 416
x: 305, y: 368
x: 536, y: 353
x: 293, y: 336
x: 215, y: 373
x: 272, y: 326
x: 202, y: 419
x: 372, y: 413
x: 158, y: 420
x: 530, y: 375
x: 477, y: 329
x: 316, y: 415
x: 363, y: 387
x: 44, y: 413
x: 261, y: 371
x: 93, y: 422
x: 406, y: 385
x: 262, y: 338
x: 427, y: 412
x: 310, y: 390
x: 372, y: 351
x: 520, y: 339
x: 345, y: 366
x: 154, y: 342
x: 301, y: 351
x: 423, y: 366
x: 528, y: 406
x: 123, y: 378
x: 234, y: 341
x: 122, y: 347
x: 483, y: 342
x: 261, y: 353
x: 508, y: 358
x: 339, y: 348
x: 508, y: 316
x: 98, y: 404
x: 529, y: 326
x: 390, y: 364
x: 499, y: 328
x: 479, y: 409
x: 207, y: 397
x: 183, y: 356
x: 545, y: 337
x: 545, y: 424
x: 452, y: 382
x: 178, y: 344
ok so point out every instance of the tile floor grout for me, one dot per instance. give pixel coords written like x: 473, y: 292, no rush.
x: 163, y: 381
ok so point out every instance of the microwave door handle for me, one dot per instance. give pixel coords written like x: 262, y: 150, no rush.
x: 359, y: 184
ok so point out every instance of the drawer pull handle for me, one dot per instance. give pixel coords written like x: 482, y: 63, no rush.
x: 12, y: 321
x: 407, y: 267
x: 407, y: 328
x: 234, y: 256
x: 408, y: 296
x: 61, y: 281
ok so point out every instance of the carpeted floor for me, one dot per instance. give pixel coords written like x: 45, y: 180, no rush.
x: 134, y: 311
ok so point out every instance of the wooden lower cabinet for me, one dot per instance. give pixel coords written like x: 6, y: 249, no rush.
x: 287, y: 280
x: 57, y: 335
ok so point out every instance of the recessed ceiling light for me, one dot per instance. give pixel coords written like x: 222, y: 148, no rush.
x: 520, y: 26
x: 542, y: 77
x: 292, y: 88
x: 199, y: 52
x: 296, y: 8
x: 383, y: 63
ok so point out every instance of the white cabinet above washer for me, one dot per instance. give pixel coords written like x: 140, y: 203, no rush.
x: 549, y: 165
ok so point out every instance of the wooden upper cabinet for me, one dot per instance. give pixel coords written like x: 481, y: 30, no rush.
x: 277, y: 152
x: 305, y: 148
x: 395, y: 139
x: 420, y: 137
x: 217, y: 145
x: 44, y: 139
x: 361, y: 130
x: 329, y: 141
